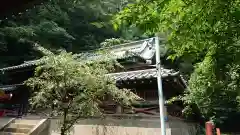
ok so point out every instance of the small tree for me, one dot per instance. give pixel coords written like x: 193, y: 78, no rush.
x: 72, y: 89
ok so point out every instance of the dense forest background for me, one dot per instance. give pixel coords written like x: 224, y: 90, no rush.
x: 71, y: 25
x: 202, y: 37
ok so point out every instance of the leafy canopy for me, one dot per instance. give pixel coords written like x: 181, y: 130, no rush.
x: 72, y: 89
x: 73, y: 25
x: 205, y: 33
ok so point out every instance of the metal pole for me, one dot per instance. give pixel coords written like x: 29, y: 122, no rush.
x: 159, y: 82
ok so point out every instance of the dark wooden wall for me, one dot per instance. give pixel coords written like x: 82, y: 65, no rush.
x: 16, y: 76
x: 19, y: 101
x: 147, y: 88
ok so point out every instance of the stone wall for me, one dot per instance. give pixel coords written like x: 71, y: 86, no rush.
x: 129, y: 126
x: 4, y: 121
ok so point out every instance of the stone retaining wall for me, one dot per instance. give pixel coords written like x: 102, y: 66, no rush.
x: 112, y: 126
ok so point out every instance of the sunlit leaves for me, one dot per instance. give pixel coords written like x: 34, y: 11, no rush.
x: 204, y: 32
x: 83, y: 86
x: 112, y: 42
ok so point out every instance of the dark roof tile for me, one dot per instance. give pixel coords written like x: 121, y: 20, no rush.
x: 141, y: 74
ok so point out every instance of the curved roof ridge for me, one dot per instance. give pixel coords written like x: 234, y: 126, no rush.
x: 131, y: 49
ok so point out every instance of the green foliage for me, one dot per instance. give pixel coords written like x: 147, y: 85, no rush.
x: 72, y: 89
x: 57, y: 24
x: 204, y: 33
x: 113, y: 41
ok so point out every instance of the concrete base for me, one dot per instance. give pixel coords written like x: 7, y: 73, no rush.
x: 4, y: 121
x: 118, y: 130
x: 128, y: 127
x: 25, y: 126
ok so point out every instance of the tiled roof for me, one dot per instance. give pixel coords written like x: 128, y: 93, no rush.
x: 142, y: 48
x: 130, y: 75
x: 142, y: 74
x: 26, y: 64
x: 9, y: 87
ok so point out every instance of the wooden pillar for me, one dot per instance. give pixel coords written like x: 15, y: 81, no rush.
x: 209, y: 128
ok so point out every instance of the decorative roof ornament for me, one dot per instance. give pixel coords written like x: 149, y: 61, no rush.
x: 143, y: 48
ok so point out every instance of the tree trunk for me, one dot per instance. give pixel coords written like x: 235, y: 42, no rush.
x: 52, y: 108
x: 63, y: 128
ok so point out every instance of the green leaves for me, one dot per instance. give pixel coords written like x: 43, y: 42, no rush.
x: 63, y: 79
x: 73, y: 25
x: 18, y: 32
x: 113, y: 41
x: 202, y: 33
